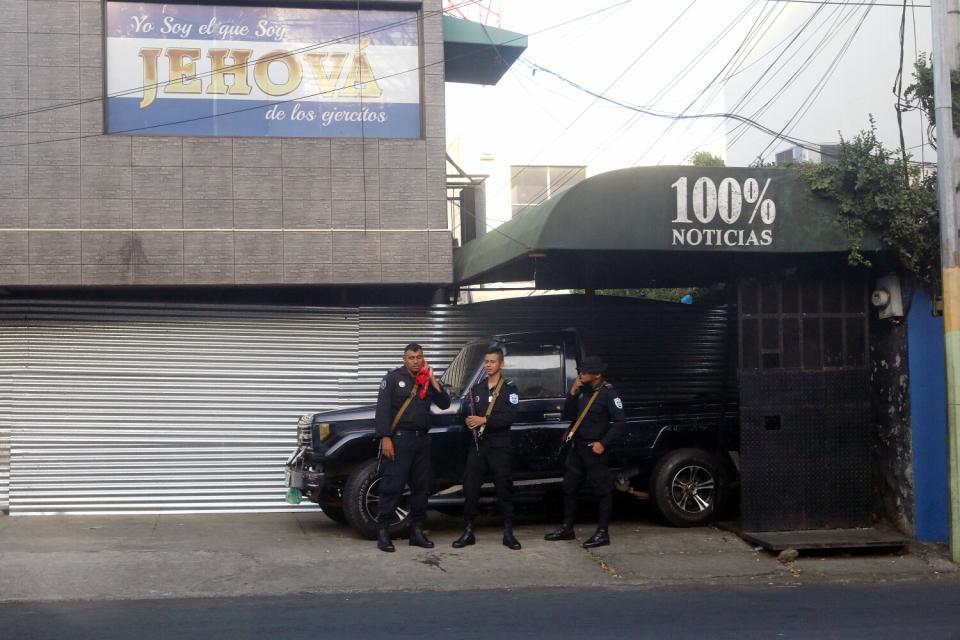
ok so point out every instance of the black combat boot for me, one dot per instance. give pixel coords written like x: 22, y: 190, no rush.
x: 510, y: 540
x: 565, y: 532
x: 384, y: 543
x: 418, y: 538
x: 466, y: 538
x: 599, y: 539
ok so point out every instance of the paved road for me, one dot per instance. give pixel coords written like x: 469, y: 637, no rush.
x: 928, y: 610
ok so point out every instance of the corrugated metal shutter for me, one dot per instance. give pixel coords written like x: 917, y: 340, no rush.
x: 138, y: 408
x: 11, y: 356
x: 146, y: 408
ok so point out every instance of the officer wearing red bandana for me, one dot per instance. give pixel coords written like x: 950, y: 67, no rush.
x: 405, y: 451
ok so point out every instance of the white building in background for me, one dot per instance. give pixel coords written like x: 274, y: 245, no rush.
x: 821, y: 71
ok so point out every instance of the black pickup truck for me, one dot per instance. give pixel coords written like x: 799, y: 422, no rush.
x: 678, y: 449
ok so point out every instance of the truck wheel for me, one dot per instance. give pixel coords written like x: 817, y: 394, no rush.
x: 361, y: 499
x: 685, y: 486
x: 335, y: 513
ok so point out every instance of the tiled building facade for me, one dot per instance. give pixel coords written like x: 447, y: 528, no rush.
x: 81, y: 208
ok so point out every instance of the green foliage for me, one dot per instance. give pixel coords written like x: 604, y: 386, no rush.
x: 668, y: 295
x: 875, y: 189
x: 919, y: 95
x: 706, y: 159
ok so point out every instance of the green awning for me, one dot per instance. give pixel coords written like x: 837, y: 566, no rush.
x: 478, y: 54
x: 661, y: 226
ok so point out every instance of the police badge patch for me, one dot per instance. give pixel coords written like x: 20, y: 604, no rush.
x: 514, y: 398
x: 618, y: 402
x: 402, y: 384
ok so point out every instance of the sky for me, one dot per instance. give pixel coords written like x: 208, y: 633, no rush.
x: 664, y: 56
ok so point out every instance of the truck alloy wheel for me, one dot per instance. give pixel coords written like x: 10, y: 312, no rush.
x: 685, y: 486
x: 361, y: 501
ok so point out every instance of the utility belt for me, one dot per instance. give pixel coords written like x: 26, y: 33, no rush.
x: 411, y: 433
x: 583, y: 439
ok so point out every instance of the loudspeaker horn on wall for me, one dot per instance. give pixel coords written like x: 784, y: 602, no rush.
x: 887, y: 297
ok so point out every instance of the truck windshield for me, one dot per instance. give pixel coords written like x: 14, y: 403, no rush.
x: 458, y: 375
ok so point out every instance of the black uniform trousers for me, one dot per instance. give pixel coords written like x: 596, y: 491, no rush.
x: 411, y: 465
x: 493, y: 458
x: 583, y: 464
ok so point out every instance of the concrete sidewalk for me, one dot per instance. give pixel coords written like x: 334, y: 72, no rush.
x: 134, y: 557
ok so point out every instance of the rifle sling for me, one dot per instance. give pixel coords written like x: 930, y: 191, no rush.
x: 493, y: 398
x: 403, y: 407
x: 583, y: 414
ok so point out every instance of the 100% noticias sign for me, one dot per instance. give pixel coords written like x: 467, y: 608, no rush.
x: 726, y: 201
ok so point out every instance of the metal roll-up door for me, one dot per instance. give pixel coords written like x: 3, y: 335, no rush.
x: 138, y: 408
x: 11, y: 356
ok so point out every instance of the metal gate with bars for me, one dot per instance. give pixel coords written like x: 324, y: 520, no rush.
x: 147, y: 408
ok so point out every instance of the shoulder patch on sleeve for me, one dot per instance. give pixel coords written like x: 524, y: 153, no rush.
x: 514, y: 398
x: 618, y: 402
x: 383, y: 383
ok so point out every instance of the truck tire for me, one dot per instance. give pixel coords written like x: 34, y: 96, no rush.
x: 335, y: 513
x: 361, y: 497
x: 685, y: 485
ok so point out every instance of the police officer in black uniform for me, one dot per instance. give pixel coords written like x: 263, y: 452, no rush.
x: 405, y: 450
x: 490, y: 449
x: 588, y: 454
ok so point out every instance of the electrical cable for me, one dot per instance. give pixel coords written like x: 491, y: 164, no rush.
x: 819, y: 86
x: 898, y: 89
x: 689, y: 106
x: 765, y: 76
x: 839, y: 19
x: 420, y: 67
x: 698, y: 57
x: 852, y: 3
x: 318, y: 93
x: 229, y: 69
x: 597, y: 98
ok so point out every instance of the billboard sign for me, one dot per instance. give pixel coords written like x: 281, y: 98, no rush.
x: 205, y: 70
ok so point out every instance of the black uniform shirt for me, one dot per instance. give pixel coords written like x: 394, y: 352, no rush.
x: 395, y: 388
x: 504, y: 408
x: 604, y: 422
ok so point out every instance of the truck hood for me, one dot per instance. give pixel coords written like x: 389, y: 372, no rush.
x: 361, y: 414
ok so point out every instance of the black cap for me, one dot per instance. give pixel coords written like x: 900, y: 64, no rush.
x: 592, y: 364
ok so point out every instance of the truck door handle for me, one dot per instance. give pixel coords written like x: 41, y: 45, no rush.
x: 552, y: 416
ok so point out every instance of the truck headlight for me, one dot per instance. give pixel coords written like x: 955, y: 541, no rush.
x: 304, y: 438
x: 323, y: 430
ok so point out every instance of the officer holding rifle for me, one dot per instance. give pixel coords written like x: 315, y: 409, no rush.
x: 493, y: 409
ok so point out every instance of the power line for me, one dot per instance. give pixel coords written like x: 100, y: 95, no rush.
x: 318, y: 93
x: 420, y: 67
x: 821, y: 84
x: 700, y: 95
x: 738, y: 67
x: 696, y: 59
x: 851, y: 3
x: 677, y: 116
x: 839, y: 19
x: 232, y: 68
x: 635, y: 117
x: 597, y: 98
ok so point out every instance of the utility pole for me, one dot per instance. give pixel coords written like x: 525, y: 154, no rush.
x: 946, y: 29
